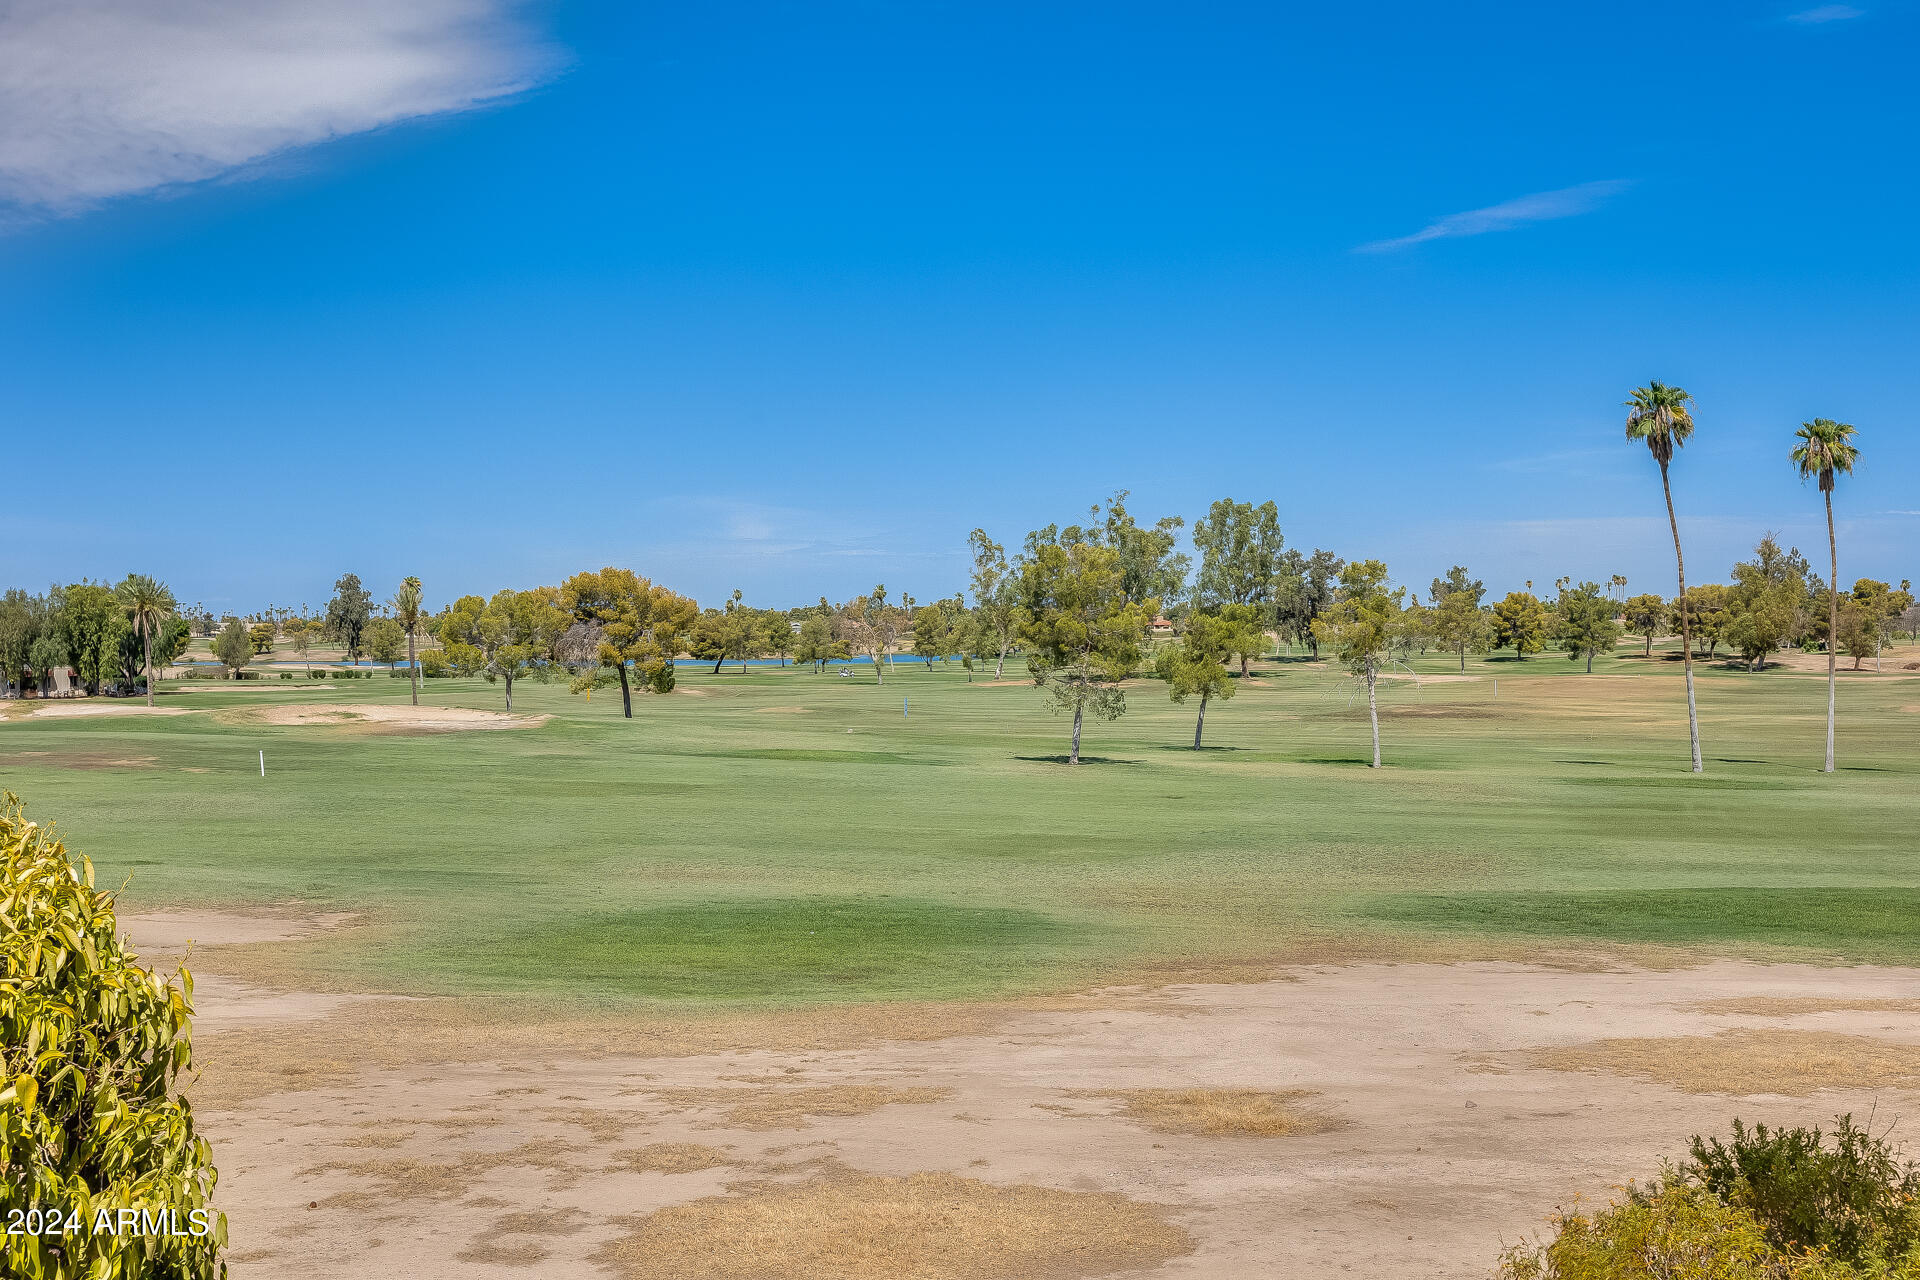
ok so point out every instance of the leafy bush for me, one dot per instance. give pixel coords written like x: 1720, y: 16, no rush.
x: 1768, y: 1205
x: 434, y: 664
x: 94, y: 1136
x: 1852, y: 1199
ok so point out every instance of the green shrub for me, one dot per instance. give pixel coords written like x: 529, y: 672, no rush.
x: 1851, y: 1198
x: 92, y: 1127
x: 434, y: 664
x: 1769, y: 1205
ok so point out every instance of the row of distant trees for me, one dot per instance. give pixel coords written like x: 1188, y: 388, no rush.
x: 1079, y: 603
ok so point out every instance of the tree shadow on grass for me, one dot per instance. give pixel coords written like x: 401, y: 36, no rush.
x: 1360, y: 760
x: 1061, y: 759
x: 1190, y: 749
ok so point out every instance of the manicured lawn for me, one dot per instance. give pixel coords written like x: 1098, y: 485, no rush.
x: 782, y: 837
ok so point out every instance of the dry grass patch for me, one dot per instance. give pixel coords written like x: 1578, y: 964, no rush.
x: 1221, y: 1113
x: 791, y: 1108
x: 927, y: 1226
x: 1799, y: 1006
x: 82, y: 760
x: 494, y: 1245
x: 1748, y: 1061
x: 401, y: 1179
x: 670, y: 1157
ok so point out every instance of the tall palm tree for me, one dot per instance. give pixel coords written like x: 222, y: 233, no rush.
x: 1825, y: 450
x: 1663, y: 416
x: 148, y: 604
x: 406, y: 607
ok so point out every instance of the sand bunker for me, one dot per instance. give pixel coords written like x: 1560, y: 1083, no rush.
x: 103, y: 707
x: 372, y: 717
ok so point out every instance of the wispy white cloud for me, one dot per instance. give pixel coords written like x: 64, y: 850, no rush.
x: 1826, y: 13
x: 105, y: 98
x: 1544, y: 206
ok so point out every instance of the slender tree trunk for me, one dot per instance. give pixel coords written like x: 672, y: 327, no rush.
x: 146, y: 645
x: 1075, y: 757
x: 1463, y: 659
x: 626, y: 693
x: 1686, y: 625
x: 1649, y: 652
x: 1833, y: 621
x: 1373, y: 714
x: 413, y: 668
x: 508, y: 677
x: 1589, y: 662
x: 1243, y: 665
x: 1001, y: 665
x: 1200, y: 723
x: 879, y: 672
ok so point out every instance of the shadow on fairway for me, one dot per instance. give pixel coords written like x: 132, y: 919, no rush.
x: 1083, y: 760
x: 1190, y: 749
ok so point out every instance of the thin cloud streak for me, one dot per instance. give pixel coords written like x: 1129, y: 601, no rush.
x: 108, y: 98
x: 1544, y: 206
x: 1826, y: 13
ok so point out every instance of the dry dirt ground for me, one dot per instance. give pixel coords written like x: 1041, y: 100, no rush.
x: 1379, y: 1120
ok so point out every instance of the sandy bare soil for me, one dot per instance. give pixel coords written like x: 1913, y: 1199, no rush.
x: 381, y: 716
x: 1893, y: 663
x: 1447, y: 1109
x: 57, y: 708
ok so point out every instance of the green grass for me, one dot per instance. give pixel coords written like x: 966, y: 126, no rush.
x: 947, y: 853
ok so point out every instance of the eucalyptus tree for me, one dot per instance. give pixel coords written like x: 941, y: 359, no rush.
x: 1826, y: 449
x: 995, y: 597
x: 1662, y: 416
x: 348, y: 613
x: 407, y: 612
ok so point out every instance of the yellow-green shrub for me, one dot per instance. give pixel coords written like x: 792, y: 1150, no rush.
x: 92, y: 1046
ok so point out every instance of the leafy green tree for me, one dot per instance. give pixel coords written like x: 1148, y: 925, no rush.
x: 93, y: 1051
x: 1520, y: 623
x: 1457, y: 580
x: 734, y: 631
x: 1306, y: 588
x: 932, y: 633
x: 776, y: 634
x: 1584, y: 622
x: 1646, y: 614
x: 1826, y: 451
x: 347, y: 614
x: 22, y: 617
x: 1243, y: 627
x: 1707, y: 616
x: 149, y: 605
x: 1361, y: 626
x: 1196, y: 664
x: 260, y: 636
x: 1880, y: 605
x: 635, y: 623
x: 1457, y: 622
x: 386, y: 640
x: 871, y: 626
x: 48, y: 652
x: 1150, y: 568
x: 995, y: 598
x: 816, y: 643
x: 1662, y: 416
x: 94, y: 625
x: 1082, y: 633
x: 233, y: 647
x: 1240, y: 547
x: 408, y: 612
x: 1766, y: 604
x: 517, y: 632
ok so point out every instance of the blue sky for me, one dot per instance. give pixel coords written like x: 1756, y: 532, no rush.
x: 791, y: 296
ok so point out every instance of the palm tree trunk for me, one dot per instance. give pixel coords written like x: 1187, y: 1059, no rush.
x: 413, y: 668
x: 1833, y: 621
x: 1686, y: 626
x: 146, y: 645
x: 1200, y: 723
x: 1373, y: 714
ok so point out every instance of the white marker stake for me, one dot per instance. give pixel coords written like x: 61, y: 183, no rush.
x: 263, y: 762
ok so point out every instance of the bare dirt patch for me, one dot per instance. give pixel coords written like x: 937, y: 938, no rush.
x: 1749, y: 1061
x: 1221, y: 1113
x: 82, y: 760
x: 171, y: 931
x: 791, y: 1108
x: 924, y: 1226
x: 373, y: 717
